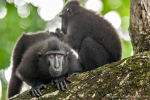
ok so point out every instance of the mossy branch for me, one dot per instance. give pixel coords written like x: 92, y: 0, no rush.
x: 127, y: 78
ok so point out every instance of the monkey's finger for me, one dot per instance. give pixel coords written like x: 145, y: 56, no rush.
x: 58, y: 86
x: 35, y: 92
x: 61, y: 86
x: 64, y: 82
x: 39, y: 92
x: 32, y: 93
x: 68, y: 81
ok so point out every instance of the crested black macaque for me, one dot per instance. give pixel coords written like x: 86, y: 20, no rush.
x: 39, y: 59
x: 93, y: 37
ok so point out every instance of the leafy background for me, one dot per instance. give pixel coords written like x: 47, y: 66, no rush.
x: 12, y: 25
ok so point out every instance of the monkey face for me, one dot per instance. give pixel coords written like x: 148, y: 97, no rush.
x: 64, y: 23
x: 66, y: 15
x: 56, y: 59
x: 69, y: 14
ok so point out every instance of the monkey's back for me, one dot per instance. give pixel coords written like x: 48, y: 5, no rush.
x: 92, y: 36
x: 104, y: 33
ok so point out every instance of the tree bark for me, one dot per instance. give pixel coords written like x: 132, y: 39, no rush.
x: 126, y: 79
x: 140, y: 25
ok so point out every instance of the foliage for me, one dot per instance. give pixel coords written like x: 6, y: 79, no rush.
x: 12, y: 27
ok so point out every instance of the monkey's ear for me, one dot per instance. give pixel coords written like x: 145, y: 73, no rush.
x: 69, y: 11
x: 39, y: 55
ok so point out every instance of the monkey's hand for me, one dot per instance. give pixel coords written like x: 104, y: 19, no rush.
x: 62, y: 83
x: 36, y: 91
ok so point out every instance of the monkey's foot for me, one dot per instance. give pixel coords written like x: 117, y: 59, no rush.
x: 36, y: 91
x: 62, y: 83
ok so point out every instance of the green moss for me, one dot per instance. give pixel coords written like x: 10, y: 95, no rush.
x: 133, y: 67
x: 81, y: 75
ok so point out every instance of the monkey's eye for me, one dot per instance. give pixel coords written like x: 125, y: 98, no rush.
x: 70, y: 12
x: 59, y: 56
x: 52, y: 56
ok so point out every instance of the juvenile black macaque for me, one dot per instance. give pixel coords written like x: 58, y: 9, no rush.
x: 90, y: 35
x: 39, y: 59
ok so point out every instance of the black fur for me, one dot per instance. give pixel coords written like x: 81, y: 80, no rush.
x: 91, y: 35
x: 34, y: 70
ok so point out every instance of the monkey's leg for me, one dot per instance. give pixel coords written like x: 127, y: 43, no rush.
x: 14, y: 85
x: 28, y: 73
x: 92, y: 54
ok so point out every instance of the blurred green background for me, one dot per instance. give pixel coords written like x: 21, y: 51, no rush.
x: 18, y: 16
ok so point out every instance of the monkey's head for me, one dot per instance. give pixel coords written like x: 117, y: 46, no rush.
x: 56, y: 60
x: 69, y: 11
x: 55, y: 55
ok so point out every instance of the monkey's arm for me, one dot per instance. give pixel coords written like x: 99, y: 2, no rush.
x: 32, y: 80
x: 29, y: 74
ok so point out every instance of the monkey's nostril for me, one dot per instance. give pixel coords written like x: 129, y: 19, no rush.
x: 56, y: 66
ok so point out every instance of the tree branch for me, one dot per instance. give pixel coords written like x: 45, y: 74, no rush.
x: 127, y: 78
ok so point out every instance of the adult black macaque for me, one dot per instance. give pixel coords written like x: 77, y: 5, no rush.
x: 90, y: 35
x: 39, y: 59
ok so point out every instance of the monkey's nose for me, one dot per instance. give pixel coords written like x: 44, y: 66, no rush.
x: 56, y: 63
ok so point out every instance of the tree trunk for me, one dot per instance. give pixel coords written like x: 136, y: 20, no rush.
x: 126, y: 79
x: 140, y: 25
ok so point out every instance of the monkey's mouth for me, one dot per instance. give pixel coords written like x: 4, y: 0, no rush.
x: 54, y: 73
